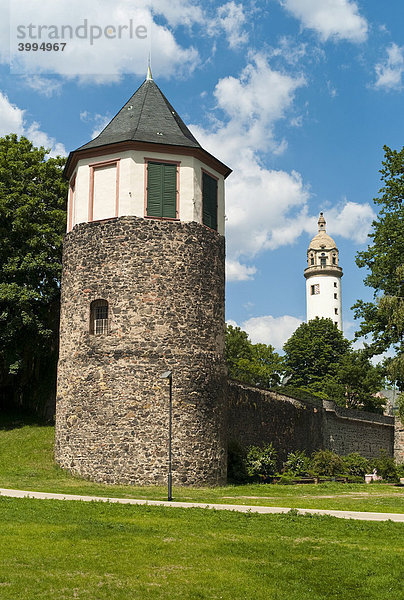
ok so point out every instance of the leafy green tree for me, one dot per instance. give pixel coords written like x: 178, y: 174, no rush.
x: 355, y: 382
x: 32, y: 222
x: 313, y: 351
x: 255, y: 364
x: 383, y: 319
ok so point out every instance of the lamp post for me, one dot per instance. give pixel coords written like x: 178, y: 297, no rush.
x: 169, y: 375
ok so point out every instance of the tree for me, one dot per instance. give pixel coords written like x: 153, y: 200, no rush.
x: 383, y: 319
x: 313, y: 351
x: 355, y: 382
x: 32, y: 222
x: 255, y: 364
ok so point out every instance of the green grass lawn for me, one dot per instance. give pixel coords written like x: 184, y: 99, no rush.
x: 95, y: 551
x: 26, y: 462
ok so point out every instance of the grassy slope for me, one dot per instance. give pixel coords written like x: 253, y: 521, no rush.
x: 95, y: 551
x: 26, y: 462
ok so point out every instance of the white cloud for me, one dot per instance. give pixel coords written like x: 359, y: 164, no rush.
x: 231, y: 18
x: 235, y: 271
x: 106, y: 59
x: 389, y: 73
x: 331, y: 19
x: 270, y: 330
x: 251, y: 105
x: 351, y: 220
x: 12, y: 120
x: 46, y: 86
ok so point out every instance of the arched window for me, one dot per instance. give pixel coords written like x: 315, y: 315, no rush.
x: 99, y: 317
x: 334, y: 259
x: 312, y: 259
x: 323, y: 260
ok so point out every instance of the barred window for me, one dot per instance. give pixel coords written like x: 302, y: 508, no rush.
x: 99, y: 317
x: 315, y: 289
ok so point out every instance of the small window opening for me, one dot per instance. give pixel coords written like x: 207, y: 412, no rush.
x: 336, y: 323
x: 323, y: 261
x: 335, y: 284
x: 335, y: 297
x: 336, y: 310
x: 334, y: 260
x: 315, y: 289
x: 99, y: 317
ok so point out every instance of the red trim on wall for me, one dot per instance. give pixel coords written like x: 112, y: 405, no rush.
x: 199, y: 153
x: 168, y: 162
x: 101, y: 164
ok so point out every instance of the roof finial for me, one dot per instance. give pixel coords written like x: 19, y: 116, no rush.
x: 321, y: 223
x: 149, y: 76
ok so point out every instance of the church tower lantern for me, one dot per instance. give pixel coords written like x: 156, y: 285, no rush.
x: 143, y: 293
x: 323, y: 277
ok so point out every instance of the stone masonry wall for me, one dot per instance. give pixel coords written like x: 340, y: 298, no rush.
x: 347, y: 430
x: 258, y: 417
x: 164, y: 282
x: 399, y: 441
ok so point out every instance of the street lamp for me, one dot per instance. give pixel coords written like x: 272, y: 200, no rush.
x: 169, y: 375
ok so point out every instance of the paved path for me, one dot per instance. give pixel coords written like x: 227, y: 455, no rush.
x: 264, y: 510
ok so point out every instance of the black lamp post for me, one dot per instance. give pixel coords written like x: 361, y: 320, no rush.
x: 169, y: 375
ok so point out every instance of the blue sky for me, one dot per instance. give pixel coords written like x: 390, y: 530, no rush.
x: 296, y: 96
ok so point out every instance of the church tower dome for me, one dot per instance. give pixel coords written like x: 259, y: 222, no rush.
x: 323, y: 277
x: 143, y: 293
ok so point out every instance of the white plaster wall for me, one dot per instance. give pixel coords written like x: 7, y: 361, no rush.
x: 132, y: 187
x: 323, y: 305
x: 104, y: 192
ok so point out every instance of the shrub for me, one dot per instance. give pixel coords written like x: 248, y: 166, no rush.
x: 386, y: 467
x: 326, y: 462
x: 356, y: 465
x: 261, y: 462
x: 297, y: 463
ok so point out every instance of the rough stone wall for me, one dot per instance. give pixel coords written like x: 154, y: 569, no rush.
x: 348, y: 430
x: 258, y: 417
x: 399, y: 441
x: 164, y: 282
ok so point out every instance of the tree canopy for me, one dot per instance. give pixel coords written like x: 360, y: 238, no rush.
x: 312, y: 352
x: 32, y: 223
x: 254, y: 364
x: 383, y: 319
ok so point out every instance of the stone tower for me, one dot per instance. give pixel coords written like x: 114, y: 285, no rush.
x: 143, y: 293
x: 323, y: 278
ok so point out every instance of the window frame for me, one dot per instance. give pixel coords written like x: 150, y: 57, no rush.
x: 100, y: 165
x: 92, y: 325
x: 147, y: 160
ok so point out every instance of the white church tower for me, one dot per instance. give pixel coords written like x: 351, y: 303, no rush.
x: 323, y: 278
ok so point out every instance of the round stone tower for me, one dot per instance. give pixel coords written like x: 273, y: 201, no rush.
x: 143, y: 293
x: 323, y: 278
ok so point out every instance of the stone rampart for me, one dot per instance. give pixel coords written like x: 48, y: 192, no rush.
x: 164, y: 284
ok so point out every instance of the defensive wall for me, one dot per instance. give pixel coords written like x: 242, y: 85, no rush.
x: 257, y: 417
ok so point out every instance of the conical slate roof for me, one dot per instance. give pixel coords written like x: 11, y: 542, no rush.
x: 146, y: 117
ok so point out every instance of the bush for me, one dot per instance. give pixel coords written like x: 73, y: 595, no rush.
x: 356, y: 465
x: 386, y: 467
x: 326, y: 462
x: 297, y: 464
x: 261, y: 462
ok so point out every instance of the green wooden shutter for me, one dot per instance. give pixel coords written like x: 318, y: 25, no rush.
x: 161, y: 190
x: 169, y: 196
x: 209, y: 201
